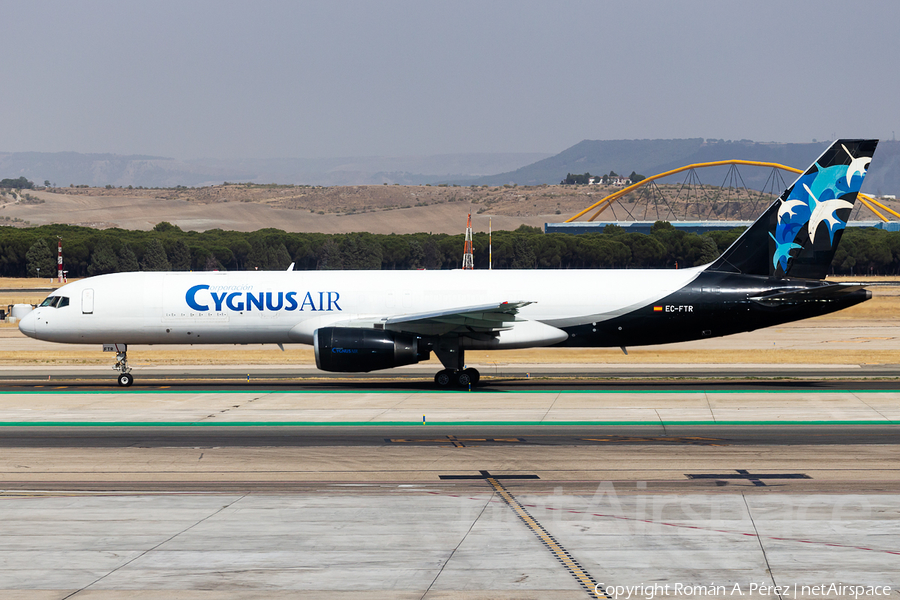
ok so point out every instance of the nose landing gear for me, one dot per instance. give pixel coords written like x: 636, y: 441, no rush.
x: 125, y: 377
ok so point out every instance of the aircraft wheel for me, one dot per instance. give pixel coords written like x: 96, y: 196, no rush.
x: 443, y: 378
x: 474, y: 376
x: 126, y: 379
x: 463, y: 378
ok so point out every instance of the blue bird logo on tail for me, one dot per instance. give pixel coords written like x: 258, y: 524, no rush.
x: 782, y: 252
x: 814, y: 199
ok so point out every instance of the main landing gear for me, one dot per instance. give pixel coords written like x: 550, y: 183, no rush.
x: 125, y: 377
x: 455, y: 373
x: 463, y: 378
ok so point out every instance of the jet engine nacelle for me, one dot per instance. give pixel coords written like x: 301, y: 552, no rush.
x: 360, y: 350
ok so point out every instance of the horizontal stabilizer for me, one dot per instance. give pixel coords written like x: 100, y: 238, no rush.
x: 830, y: 291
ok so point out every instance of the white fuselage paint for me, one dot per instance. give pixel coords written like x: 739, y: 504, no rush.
x: 151, y: 308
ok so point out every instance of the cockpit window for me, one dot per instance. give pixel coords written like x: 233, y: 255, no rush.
x: 55, y: 301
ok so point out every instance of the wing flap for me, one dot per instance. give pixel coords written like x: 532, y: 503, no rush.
x: 468, y: 319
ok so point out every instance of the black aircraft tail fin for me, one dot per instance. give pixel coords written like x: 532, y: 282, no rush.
x: 799, y: 233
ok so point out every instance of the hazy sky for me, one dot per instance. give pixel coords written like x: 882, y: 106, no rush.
x: 229, y: 79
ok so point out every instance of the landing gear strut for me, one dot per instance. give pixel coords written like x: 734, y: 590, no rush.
x: 125, y: 377
x: 455, y: 373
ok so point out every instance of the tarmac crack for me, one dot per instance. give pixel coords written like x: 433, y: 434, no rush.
x: 872, y: 408
x: 550, y: 408
x: 460, y: 543
x: 761, y: 547
x: 149, y: 550
x: 709, y: 406
x: 403, y: 398
x: 661, y: 421
x: 232, y: 407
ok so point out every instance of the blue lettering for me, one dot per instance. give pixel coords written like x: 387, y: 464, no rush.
x: 218, y: 299
x: 308, y: 300
x: 274, y: 301
x: 291, y: 304
x: 189, y: 297
x: 229, y: 301
x: 256, y: 301
x: 333, y: 301
x: 344, y: 351
x: 269, y: 301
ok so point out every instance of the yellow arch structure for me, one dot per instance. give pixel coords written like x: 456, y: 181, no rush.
x: 606, y: 202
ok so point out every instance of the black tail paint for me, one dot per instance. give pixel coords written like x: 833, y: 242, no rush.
x: 798, y: 234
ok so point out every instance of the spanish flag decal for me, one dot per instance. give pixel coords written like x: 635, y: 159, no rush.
x: 657, y: 309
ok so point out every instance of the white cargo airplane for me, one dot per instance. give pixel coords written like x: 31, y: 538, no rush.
x: 360, y: 321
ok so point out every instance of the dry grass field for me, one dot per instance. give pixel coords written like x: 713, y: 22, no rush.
x: 338, y: 209
x: 376, y: 209
x: 866, y: 333
x: 15, y: 290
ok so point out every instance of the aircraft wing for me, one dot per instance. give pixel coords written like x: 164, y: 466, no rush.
x: 485, y: 318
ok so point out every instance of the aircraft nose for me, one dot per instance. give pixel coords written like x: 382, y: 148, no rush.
x: 28, y: 324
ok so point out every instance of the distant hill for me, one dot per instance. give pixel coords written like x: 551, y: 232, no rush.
x: 98, y: 170
x: 649, y: 157
x: 598, y: 157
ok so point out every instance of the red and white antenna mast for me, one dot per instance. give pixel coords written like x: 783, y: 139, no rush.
x: 468, y: 258
x: 59, y: 269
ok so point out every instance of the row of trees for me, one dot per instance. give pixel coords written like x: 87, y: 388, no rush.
x: 94, y: 252
x: 19, y: 184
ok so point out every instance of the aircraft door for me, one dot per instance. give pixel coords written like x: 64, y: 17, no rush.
x: 87, y: 301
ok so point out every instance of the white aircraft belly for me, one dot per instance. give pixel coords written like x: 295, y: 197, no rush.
x: 151, y: 308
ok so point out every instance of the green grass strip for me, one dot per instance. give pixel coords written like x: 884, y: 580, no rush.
x: 418, y: 423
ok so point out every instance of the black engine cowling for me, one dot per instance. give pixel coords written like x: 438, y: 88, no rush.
x: 360, y: 350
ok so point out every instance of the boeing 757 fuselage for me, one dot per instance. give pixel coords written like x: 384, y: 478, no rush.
x: 360, y: 321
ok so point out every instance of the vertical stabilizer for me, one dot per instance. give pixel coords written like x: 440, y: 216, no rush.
x: 798, y: 234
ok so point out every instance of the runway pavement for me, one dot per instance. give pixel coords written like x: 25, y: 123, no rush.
x: 358, y: 406
x: 518, y: 378
x: 379, y: 437
x: 504, y: 492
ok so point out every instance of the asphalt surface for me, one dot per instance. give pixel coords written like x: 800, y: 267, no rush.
x: 263, y: 382
x: 443, y: 436
x: 392, y: 511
